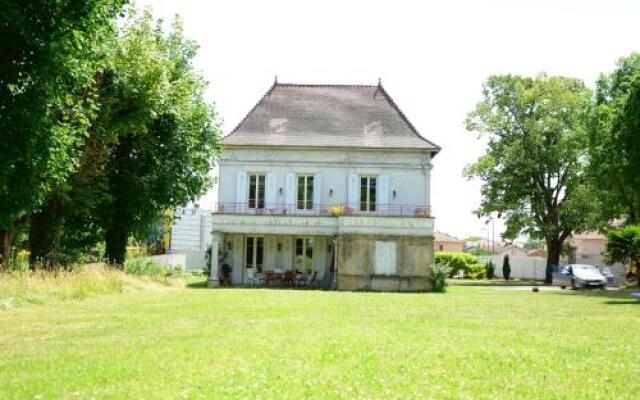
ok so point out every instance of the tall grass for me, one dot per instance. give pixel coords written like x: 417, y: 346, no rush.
x: 19, y: 288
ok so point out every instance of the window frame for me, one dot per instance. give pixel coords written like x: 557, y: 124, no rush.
x: 255, y: 202
x: 308, y: 192
x: 366, y: 205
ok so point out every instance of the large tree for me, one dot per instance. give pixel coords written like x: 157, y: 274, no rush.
x: 533, y: 172
x: 615, y: 141
x: 151, y: 146
x: 49, y: 54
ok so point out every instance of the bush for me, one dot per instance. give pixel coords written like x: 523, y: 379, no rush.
x: 506, y: 268
x: 477, y: 271
x: 144, y: 266
x: 457, y: 261
x: 439, y: 277
x: 490, y: 270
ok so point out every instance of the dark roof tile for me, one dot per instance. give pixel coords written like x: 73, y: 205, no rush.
x: 327, y: 116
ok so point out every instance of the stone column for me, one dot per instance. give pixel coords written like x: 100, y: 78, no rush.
x: 216, y: 242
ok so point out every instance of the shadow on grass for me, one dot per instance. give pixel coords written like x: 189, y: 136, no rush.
x: 611, y: 297
x: 622, y: 302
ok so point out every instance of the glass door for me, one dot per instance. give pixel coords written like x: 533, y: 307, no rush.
x: 254, y: 253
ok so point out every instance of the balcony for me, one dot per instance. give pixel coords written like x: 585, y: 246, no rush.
x: 326, y: 210
x: 400, y: 220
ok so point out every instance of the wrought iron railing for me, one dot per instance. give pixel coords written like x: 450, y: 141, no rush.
x: 325, y: 210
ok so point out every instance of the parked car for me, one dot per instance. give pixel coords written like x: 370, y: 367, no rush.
x: 580, y: 276
x: 607, y: 273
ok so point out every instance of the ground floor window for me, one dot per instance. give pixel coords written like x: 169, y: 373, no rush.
x: 303, y: 257
x: 255, y: 252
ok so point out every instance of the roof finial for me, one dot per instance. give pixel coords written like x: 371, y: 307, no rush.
x: 275, y: 82
x: 379, y: 81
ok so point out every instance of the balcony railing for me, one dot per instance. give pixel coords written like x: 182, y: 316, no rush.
x: 326, y: 210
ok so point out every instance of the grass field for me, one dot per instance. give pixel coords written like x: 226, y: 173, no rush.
x: 284, y: 344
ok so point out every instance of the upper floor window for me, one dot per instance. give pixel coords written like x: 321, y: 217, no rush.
x: 256, y: 190
x: 305, y: 192
x: 368, y: 193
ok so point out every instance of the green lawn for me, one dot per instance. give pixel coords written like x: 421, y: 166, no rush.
x: 284, y: 344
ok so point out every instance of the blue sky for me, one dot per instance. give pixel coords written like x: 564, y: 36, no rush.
x: 432, y: 57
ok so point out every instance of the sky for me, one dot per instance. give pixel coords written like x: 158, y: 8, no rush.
x: 432, y: 57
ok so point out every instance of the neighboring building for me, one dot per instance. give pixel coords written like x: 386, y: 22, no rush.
x: 484, y: 244
x: 191, y: 236
x: 444, y: 242
x: 329, y: 180
x: 512, y: 250
x: 539, y: 253
x: 586, y: 248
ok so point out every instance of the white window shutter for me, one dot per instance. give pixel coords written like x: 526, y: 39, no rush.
x: 352, y: 191
x: 383, y: 192
x: 291, y: 192
x: 271, y: 191
x: 317, y: 191
x: 385, y: 258
x: 241, y: 193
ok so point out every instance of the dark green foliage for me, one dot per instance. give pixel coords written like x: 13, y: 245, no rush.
x: 623, y: 245
x: 614, y: 145
x: 150, y: 148
x: 490, y: 269
x: 506, y: 268
x: 49, y: 54
x: 439, y: 276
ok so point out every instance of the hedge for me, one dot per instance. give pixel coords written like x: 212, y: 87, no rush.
x: 461, y: 261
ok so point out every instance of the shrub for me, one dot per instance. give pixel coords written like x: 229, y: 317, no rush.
x: 489, y: 269
x: 506, y: 268
x: 457, y: 261
x: 144, y: 266
x: 476, y: 271
x: 439, y: 277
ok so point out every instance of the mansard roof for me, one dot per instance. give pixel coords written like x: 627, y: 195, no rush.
x: 360, y: 116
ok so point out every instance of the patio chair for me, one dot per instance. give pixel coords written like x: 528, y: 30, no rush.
x: 301, y: 278
x: 312, y: 278
x: 269, y: 277
x: 253, y: 278
x: 289, y: 277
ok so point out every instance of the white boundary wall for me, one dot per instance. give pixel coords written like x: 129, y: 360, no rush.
x: 535, y: 267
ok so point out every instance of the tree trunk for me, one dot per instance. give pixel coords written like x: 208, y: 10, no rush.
x: 7, y: 239
x: 45, y: 231
x: 116, y: 240
x: 554, y: 247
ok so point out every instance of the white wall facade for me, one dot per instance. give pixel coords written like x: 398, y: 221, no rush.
x: 408, y: 173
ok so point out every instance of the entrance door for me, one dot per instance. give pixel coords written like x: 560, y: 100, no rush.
x: 254, y: 253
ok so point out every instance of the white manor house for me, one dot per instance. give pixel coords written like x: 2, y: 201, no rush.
x: 324, y: 185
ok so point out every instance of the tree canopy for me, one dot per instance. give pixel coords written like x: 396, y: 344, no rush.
x: 150, y: 148
x: 49, y: 54
x: 534, y: 170
x: 614, y: 147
